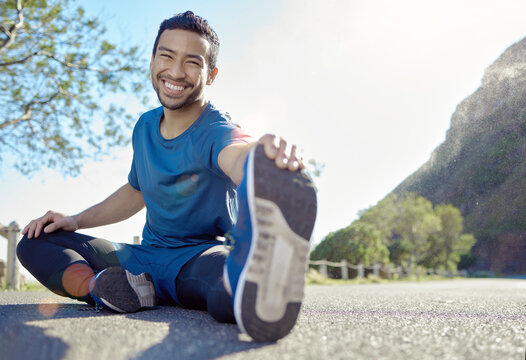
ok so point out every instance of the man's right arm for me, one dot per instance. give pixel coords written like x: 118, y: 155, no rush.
x: 122, y: 204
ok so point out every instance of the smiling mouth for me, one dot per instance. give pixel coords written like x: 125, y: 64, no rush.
x: 173, y: 87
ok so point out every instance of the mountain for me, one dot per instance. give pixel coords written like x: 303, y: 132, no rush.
x: 481, y: 166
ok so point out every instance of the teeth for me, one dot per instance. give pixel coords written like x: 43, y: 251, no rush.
x: 173, y: 87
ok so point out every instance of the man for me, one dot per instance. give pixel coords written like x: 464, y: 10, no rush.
x: 188, y: 160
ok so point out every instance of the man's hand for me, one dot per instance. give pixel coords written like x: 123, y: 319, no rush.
x: 276, y: 149
x: 50, y: 222
x: 120, y: 205
x: 232, y: 158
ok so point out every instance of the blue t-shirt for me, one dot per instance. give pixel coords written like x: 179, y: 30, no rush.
x: 188, y: 199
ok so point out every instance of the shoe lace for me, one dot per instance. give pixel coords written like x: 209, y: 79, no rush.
x: 97, y: 307
x: 228, y: 239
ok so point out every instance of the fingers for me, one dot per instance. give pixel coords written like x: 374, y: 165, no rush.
x: 38, y: 229
x: 67, y: 223
x: 299, y: 158
x: 35, y: 227
x: 281, y: 158
x: 270, y: 144
x: 24, y: 231
x: 52, y: 227
x: 286, y: 157
x: 293, y: 163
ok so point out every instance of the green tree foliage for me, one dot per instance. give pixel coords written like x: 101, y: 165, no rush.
x: 414, y: 223
x: 358, y: 243
x: 55, y: 70
x: 449, y: 243
x: 406, y: 224
x: 454, y: 242
x: 382, y: 216
x: 399, y: 251
x: 407, y: 229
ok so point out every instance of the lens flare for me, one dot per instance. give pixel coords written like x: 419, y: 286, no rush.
x: 186, y: 185
x: 47, y: 307
x: 76, y: 279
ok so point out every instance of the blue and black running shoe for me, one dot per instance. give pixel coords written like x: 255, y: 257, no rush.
x: 266, y: 267
x: 121, y: 291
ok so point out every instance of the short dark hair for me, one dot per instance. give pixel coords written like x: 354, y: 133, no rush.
x: 191, y: 22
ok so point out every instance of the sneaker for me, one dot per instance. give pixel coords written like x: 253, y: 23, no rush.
x: 121, y: 291
x: 265, y: 270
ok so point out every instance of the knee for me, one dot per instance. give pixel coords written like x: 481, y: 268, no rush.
x: 23, y: 249
x: 28, y: 249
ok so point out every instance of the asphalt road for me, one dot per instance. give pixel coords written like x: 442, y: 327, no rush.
x: 457, y: 319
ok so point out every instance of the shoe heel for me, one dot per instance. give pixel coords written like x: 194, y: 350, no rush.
x: 142, y: 284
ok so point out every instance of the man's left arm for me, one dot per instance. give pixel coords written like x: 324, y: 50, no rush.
x: 232, y: 158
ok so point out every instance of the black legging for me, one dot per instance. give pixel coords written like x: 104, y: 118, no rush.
x: 65, y: 262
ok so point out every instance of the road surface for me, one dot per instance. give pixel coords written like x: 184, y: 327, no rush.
x: 455, y: 319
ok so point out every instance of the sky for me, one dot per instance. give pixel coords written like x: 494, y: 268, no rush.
x: 365, y: 87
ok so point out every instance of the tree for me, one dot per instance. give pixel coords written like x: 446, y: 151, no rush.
x: 55, y: 70
x: 405, y: 229
x: 452, y: 241
x: 357, y: 243
x: 383, y: 216
x: 415, y: 222
x: 405, y: 223
x: 415, y: 231
x: 399, y: 251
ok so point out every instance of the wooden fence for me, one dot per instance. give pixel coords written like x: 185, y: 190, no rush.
x: 346, y: 271
x: 327, y: 269
x: 341, y: 269
x: 12, y: 234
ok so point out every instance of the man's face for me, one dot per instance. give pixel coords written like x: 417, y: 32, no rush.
x: 179, y: 68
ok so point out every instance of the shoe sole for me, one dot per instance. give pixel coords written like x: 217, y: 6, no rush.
x: 124, y: 292
x: 270, y: 288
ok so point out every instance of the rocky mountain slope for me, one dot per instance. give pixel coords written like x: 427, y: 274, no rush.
x: 481, y: 166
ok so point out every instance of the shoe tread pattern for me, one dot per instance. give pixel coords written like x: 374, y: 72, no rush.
x: 293, y: 192
x: 113, y: 286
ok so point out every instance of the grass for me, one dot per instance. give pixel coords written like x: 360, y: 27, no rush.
x: 26, y: 287
x: 314, y: 277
